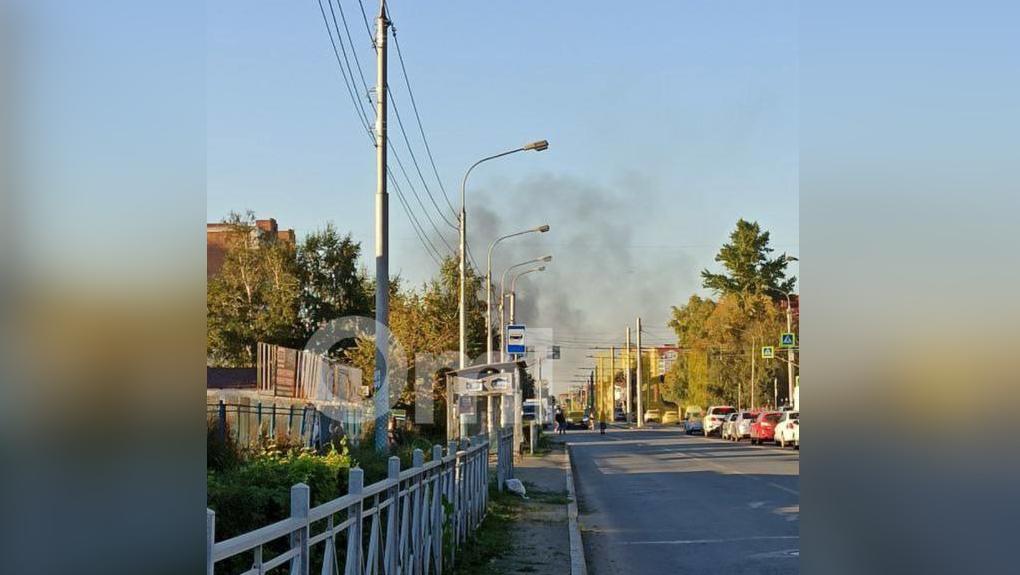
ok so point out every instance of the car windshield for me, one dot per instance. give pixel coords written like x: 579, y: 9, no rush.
x: 771, y: 417
x: 749, y: 416
x: 794, y: 415
x: 722, y: 410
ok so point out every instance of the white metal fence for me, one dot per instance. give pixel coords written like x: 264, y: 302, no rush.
x: 505, y: 456
x: 408, y: 523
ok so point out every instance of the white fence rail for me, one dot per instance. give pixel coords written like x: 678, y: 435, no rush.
x: 408, y: 523
x: 505, y: 456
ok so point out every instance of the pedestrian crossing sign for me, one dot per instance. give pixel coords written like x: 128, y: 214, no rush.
x: 768, y: 352
x: 787, y: 340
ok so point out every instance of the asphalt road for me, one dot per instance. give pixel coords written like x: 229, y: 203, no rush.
x: 659, y: 501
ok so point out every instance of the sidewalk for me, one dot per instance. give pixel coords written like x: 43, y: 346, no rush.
x: 541, y: 543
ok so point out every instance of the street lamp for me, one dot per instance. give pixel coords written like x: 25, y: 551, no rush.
x: 502, y: 296
x: 513, y: 289
x: 537, y: 146
x: 488, y: 286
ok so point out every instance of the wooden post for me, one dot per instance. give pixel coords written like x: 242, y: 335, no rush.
x: 300, y: 502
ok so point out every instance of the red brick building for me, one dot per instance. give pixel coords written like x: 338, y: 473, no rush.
x: 217, y: 238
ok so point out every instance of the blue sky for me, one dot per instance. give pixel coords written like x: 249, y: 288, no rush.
x: 667, y: 121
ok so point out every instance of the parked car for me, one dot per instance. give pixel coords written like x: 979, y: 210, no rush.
x: 742, y: 425
x: 670, y: 417
x: 727, y: 427
x: 763, y: 427
x: 693, y: 425
x: 653, y: 415
x: 576, y: 419
x: 714, y: 418
x: 619, y: 415
x: 787, y: 428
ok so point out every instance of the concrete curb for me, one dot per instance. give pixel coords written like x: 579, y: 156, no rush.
x: 578, y: 566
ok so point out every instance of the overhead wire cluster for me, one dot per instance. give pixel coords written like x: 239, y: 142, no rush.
x: 345, y: 49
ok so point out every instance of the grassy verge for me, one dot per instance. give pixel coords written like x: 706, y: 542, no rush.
x: 493, y: 538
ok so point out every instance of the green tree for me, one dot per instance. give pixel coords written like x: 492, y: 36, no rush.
x: 332, y: 285
x: 426, y: 321
x: 748, y: 267
x: 255, y: 297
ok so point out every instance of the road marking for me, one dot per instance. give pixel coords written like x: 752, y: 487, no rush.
x: 705, y: 541
x: 786, y: 489
x: 756, y: 504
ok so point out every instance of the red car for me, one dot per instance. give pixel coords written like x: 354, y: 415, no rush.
x: 764, y: 427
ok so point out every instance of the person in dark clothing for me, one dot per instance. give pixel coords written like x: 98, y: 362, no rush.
x: 561, y: 422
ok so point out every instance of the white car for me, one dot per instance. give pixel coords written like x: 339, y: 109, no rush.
x: 714, y: 418
x: 742, y: 425
x: 788, y: 429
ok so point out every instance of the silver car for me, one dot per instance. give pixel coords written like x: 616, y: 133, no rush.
x: 742, y: 425
x: 728, y: 425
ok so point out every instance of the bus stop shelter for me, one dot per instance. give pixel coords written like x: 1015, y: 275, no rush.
x: 483, y: 399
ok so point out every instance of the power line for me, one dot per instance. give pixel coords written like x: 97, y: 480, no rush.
x: 407, y: 141
x: 414, y: 159
x: 400, y: 164
x: 414, y: 106
x: 367, y: 27
x: 363, y: 116
x: 359, y: 108
x: 415, y: 224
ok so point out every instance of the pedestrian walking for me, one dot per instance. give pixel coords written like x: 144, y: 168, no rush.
x: 602, y: 426
x: 561, y: 422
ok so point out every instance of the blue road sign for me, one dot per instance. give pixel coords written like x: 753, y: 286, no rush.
x: 787, y: 340
x: 515, y: 339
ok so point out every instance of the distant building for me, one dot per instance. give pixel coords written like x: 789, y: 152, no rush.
x: 217, y: 239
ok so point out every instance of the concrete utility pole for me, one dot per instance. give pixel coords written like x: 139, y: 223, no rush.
x: 382, y: 243
x: 640, y: 401
x: 630, y: 413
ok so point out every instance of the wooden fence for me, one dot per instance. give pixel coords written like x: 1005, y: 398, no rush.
x: 302, y: 374
x: 409, y: 523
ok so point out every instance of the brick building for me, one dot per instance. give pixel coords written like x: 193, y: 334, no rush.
x: 217, y: 238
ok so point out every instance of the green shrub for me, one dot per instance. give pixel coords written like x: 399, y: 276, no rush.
x: 256, y: 492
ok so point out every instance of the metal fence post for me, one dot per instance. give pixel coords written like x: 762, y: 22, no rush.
x: 300, y: 502
x: 436, y: 516
x: 391, y: 550
x: 356, y: 484
x: 418, y: 518
x: 210, y: 539
x: 272, y: 422
x: 222, y: 415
